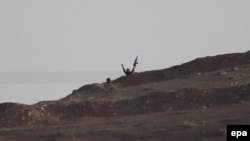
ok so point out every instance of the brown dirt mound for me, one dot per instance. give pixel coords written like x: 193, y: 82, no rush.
x: 13, y: 114
x: 92, y: 88
x: 188, y: 98
x: 199, y: 65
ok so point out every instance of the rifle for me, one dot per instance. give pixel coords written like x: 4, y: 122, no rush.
x: 135, y: 62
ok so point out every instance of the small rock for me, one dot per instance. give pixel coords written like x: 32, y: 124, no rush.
x: 222, y: 73
x: 203, y: 107
x: 234, y: 69
x: 235, y: 83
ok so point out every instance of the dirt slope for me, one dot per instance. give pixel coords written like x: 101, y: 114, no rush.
x: 199, y: 65
x: 181, y: 98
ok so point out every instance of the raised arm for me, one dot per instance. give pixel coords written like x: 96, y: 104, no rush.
x: 132, y: 71
x: 123, y: 69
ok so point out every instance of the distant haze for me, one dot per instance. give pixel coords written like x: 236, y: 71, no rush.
x: 32, y: 87
x: 55, y: 39
x: 86, y: 77
x: 99, y: 35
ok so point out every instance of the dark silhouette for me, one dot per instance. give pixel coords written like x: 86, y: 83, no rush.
x: 108, y: 84
x: 108, y: 81
x: 127, y: 71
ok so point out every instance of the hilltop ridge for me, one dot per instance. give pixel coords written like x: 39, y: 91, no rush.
x: 200, y: 85
x: 199, y: 65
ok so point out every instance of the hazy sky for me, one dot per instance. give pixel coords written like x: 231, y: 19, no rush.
x: 80, y: 35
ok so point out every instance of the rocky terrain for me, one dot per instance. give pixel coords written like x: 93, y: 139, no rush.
x: 191, y: 101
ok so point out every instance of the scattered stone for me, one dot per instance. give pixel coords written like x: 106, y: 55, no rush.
x: 203, y: 107
x: 42, y: 108
x: 171, y: 91
x: 234, y: 69
x: 222, y: 73
x: 235, y: 84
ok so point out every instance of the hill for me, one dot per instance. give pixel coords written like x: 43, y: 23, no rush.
x: 181, y: 99
x: 199, y: 65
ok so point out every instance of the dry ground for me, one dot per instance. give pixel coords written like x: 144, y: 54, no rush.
x: 188, y: 125
x: 193, y: 101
